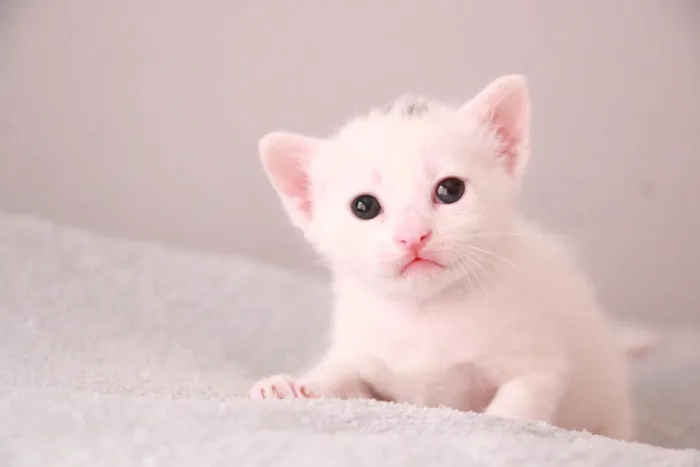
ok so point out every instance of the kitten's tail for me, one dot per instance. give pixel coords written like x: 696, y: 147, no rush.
x: 636, y: 342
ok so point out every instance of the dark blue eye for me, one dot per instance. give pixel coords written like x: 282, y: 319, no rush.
x: 450, y: 190
x: 365, y: 207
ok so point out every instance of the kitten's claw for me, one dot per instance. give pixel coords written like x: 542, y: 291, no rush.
x: 280, y: 387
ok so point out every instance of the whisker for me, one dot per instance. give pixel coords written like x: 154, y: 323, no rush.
x: 464, y: 273
x: 500, y: 234
x: 476, y: 276
x: 485, y: 260
x: 501, y: 266
x: 469, y: 265
x: 495, y: 256
x: 480, y: 265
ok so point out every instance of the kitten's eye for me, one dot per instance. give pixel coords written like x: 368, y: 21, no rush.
x: 365, y: 207
x: 449, y: 190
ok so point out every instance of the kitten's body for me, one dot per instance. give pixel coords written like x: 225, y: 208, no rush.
x: 533, y: 318
x: 497, y: 319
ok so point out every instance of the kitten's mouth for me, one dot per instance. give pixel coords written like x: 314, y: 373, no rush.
x: 420, y: 265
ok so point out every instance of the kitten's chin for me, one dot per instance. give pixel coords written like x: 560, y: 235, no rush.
x: 419, y: 281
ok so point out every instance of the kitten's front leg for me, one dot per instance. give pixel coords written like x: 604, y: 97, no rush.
x: 330, y: 378
x: 529, y: 397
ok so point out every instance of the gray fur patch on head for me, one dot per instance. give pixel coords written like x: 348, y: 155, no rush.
x: 409, y: 105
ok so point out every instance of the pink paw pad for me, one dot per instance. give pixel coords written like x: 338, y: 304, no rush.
x: 280, y: 387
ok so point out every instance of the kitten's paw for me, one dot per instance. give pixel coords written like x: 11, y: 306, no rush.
x: 280, y: 387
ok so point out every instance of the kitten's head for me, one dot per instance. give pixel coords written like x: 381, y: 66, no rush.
x: 408, y: 198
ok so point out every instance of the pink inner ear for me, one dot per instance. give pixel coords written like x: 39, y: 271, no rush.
x: 286, y: 157
x: 509, y: 119
x: 292, y: 178
x: 289, y: 172
x: 509, y: 148
x: 296, y: 187
x: 505, y: 107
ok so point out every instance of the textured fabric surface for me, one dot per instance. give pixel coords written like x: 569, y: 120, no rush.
x: 116, y: 353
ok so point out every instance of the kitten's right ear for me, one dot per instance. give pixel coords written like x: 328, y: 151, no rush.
x: 504, y: 105
x: 285, y: 158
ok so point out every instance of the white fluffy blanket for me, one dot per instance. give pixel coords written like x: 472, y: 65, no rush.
x: 115, y: 353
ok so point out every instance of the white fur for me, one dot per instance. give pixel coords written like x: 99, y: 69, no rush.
x: 511, y: 327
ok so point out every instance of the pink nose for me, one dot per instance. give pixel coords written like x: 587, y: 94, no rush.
x: 415, y: 240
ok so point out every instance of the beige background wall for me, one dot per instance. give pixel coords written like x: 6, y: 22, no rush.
x: 140, y: 118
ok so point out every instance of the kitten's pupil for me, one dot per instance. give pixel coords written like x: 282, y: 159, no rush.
x: 365, y: 207
x: 449, y: 190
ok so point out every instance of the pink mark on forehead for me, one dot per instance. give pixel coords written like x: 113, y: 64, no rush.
x: 376, y: 176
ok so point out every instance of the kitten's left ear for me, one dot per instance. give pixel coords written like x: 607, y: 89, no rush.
x: 504, y: 105
x: 285, y: 158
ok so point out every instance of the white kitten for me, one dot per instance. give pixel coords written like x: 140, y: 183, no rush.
x: 443, y: 295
